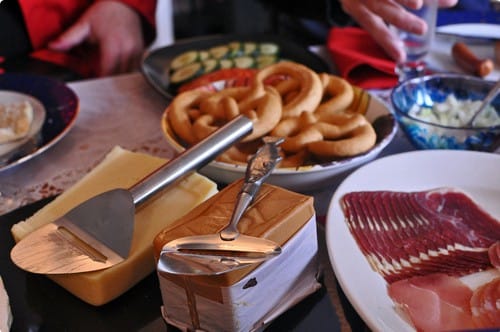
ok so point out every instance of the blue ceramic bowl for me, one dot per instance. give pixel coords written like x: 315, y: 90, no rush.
x: 424, y: 92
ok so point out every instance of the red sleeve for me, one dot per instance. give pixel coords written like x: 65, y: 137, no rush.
x: 49, y: 17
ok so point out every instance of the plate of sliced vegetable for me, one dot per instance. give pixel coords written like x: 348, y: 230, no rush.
x: 169, y: 69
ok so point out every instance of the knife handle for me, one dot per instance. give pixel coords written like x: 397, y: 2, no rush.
x: 469, y: 62
x: 259, y: 167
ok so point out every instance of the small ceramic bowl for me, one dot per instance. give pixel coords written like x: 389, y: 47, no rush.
x: 433, y: 112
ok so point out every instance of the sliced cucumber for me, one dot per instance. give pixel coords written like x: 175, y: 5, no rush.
x: 269, y: 49
x: 235, y: 49
x: 209, y: 65
x: 219, y: 52
x: 204, y: 55
x: 226, y: 63
x: 184, y: 59
x: 244, y: 62
x: 265, y: 60
x: 193, y: 63
x: 186, y: 73
x: 249, y: 48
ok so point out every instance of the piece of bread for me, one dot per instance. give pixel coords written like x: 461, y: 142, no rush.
x: 5, y: 312
x: 121, y: 169
x: 15, y: 121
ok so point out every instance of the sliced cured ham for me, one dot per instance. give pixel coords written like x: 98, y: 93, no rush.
x: 405, y: 234
x: 494, y: 254
x: 436, y: 302
x: 485, y: 305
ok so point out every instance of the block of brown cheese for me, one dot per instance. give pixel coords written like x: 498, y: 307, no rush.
x: 285, y: 217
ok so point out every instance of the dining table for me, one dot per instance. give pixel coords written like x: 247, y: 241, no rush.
x: 125, y: 110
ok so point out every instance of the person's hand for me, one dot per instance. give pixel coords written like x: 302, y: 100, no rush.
x: 114, y: 28
x: 375, y: 16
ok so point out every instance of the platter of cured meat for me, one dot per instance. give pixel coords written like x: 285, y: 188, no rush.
x: 419, y: 229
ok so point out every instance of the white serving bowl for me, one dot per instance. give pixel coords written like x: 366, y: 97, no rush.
x: 304, y: 178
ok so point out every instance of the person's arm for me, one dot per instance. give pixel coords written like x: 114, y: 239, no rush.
x: 375, y: 16
x: 147, y: 11
x: 115, y: 28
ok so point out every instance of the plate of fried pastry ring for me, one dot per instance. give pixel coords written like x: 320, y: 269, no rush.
x: 329, y: 126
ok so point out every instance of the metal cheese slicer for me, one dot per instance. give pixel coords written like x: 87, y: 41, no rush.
x: 228, y: 250
x: 98, y: 233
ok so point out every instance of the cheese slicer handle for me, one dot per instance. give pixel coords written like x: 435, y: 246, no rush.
x: 191, y: 159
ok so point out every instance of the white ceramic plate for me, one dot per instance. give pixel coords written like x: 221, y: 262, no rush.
x: 307, y: 178
x: 475, y: 173
x: 10, y: 97
x: 471, y: 30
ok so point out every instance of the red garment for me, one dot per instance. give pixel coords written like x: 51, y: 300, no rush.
x: 49, y: 18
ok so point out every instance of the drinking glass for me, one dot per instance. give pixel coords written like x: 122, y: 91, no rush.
x: 417, y: 46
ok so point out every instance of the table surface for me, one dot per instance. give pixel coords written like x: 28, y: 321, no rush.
x: 125, y: 110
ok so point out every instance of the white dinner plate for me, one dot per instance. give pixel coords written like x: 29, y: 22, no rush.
x: 475, y: 173
x: 10, y: 97
x: 471, y: 30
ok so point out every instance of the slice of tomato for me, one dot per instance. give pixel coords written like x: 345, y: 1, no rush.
x: 237, y: 77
